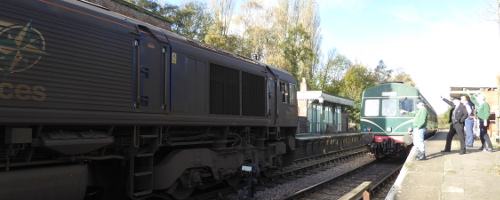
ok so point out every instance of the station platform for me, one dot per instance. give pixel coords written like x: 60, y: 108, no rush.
x: 325, y: 135
x: 449, y: 176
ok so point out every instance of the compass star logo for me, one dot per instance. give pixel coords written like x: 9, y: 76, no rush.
x: 21, y: 47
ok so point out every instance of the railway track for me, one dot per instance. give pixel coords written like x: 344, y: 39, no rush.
x: 378, y: 172
x: 305, y: 165
x: 293, y: 177
x: 301, y: 168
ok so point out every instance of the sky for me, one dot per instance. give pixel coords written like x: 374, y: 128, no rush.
x: 441, y: 44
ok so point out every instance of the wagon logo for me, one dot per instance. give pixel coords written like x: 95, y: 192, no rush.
x: 21, y: 47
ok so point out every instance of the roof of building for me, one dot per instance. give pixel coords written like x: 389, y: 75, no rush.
x: 317, y: 95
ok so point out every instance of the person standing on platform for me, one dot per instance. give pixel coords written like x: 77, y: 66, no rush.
x: 469, y: 121
x: 419, y: 127
x: 483, y: 113
x: 458, y: 114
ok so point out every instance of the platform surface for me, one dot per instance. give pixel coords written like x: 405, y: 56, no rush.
x: 449, y: 176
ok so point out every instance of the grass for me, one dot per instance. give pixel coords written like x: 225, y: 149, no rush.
x: 408, y: 165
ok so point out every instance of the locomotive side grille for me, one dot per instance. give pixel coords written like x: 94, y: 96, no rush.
x: 254, y: 95
x: 224, y: 90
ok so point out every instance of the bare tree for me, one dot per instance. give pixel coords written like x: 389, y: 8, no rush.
x: 223, y: 11
x: 295, y: 35
x: 492, y: 11
x: 218, y: 34
x: 255, y: 35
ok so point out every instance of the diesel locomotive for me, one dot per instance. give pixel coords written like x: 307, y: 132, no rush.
x: 96, y: 103
x: 385, y: 129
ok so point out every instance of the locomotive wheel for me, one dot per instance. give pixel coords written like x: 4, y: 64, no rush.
x: 234, y: 180
x: 180, y: 191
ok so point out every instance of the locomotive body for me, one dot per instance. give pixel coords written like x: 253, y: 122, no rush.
x: 386, y: 130
x: 91, y: 100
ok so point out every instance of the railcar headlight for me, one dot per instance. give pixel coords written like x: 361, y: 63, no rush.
x: 410, y: 129
x: 369, y: 129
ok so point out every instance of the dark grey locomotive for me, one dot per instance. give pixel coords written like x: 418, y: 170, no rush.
x: 92, y: 101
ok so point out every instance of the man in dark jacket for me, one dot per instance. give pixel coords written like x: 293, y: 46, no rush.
x: 458, y: 114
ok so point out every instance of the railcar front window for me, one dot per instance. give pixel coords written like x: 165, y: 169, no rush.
x: 389, y: 107
x: 371, y: 107
x: 406, y: 104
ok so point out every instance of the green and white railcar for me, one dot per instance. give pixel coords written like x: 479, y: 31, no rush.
x: 388, y: 131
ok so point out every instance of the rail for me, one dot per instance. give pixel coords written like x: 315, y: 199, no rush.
x: 366, y: 190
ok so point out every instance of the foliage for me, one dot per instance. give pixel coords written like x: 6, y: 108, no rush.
x: 216, y: 38
x: 192, y: 20
x: 256, y: 37
x: 443, y: 120
x: 166, y: 10
x: 329, y: 76
x: 356, y: 80
x: 381, y: 73
x: 294, y: 36
x: 401, y: 76
x: 218, y: 33
x: 295, y: 53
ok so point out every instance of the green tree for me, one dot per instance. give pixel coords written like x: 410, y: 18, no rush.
x: 192, y: 20
x: 166, y: 10
x: 297, y: 55
x: 401, y: 76
x: 382, y: 73
x: 329, y: 76
x: 310, y: 19
x: 443, y: 120
x: 357, y: 79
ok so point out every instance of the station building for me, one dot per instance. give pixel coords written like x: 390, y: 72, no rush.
x: 320, y: 112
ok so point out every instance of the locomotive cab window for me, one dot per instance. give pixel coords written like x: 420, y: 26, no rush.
x: 284, y: 92
x: 371, y: 107
x: 406, y: 104
x: 389, y: 107
x: 293, y: 94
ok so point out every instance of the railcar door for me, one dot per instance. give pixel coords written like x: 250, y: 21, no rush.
x: 150, y: 71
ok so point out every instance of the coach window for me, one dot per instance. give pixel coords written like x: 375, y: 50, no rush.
x: 371, y: 107
x: 406, y: 104
x: 389, y: 107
